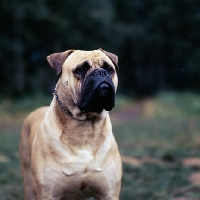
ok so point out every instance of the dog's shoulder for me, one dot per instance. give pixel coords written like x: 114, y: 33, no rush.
x: 36, y: 115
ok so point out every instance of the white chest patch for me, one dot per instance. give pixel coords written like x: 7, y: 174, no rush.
x: 82, y: 163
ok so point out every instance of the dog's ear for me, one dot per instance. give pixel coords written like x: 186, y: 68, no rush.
x: 113, y: 57
x: 56, y: 60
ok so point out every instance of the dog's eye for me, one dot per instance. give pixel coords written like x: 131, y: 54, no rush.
x: 82, y: 69
x: 108, y: 68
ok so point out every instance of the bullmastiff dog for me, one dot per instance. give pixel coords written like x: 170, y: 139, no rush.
x: 68, y: 150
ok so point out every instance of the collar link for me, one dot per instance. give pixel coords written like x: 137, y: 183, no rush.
x: 67, y: 111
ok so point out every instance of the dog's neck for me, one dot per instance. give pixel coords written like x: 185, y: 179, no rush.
x: 68, y: 112
x: 76, y: 114
x: 80, y: 136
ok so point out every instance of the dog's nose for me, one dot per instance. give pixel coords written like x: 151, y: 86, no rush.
x: 103, y: 90
x: 100, y: 72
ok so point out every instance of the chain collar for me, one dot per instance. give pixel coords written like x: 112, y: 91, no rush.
x: 67, y: 111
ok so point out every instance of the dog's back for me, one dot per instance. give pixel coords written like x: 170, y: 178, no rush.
x: 29, y: 129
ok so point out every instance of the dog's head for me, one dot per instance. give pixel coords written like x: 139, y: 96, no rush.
x: 88, y: 79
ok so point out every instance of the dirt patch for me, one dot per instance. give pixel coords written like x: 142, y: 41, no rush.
x: 132, y: 161
x: 145, y: 108
x: 194, y: 178
x: 139, y: 161
x: 187, y: 162
x: 191, y: 162
x: 4, y: 159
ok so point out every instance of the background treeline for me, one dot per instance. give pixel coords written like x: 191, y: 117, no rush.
x: 157, y: 41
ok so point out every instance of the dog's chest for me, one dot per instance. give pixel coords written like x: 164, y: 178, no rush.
x: 83, y: 163
x: 80, y: 175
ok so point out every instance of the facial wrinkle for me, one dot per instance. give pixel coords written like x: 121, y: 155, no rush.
x: 95, y: 62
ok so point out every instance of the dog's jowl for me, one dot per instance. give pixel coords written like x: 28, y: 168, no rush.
x: 68, y: 150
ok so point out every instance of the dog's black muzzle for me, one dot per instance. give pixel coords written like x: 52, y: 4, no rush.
x: 97, y: 92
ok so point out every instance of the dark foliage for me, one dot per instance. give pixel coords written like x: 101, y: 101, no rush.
x: 157, y: 42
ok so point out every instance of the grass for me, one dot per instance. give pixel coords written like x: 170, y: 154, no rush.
x: 12, y: 113
x: 165, y: 128
x: 10, y: 176
x: 159, y: 132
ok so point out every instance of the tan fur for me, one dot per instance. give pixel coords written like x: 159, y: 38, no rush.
x: 65, y: 158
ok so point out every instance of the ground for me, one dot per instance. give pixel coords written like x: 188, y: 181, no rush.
x: 158, y: 138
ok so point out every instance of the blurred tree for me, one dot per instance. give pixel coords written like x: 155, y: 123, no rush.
x: 157, y: 41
